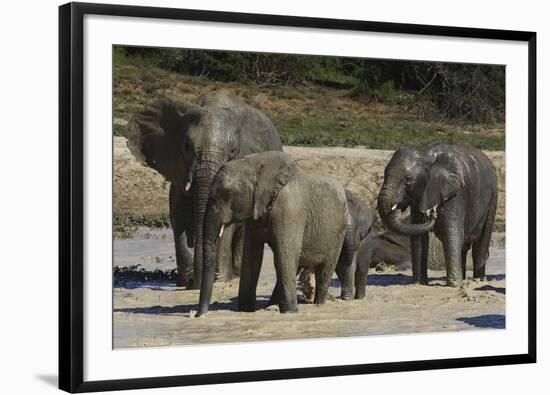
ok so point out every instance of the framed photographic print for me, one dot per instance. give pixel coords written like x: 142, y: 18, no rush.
x: 318, y: 197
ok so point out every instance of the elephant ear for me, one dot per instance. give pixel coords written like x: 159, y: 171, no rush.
x: 273, y: 172
x: 159, y: 118
x: 444, y: 181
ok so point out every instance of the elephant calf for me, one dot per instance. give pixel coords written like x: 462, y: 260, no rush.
x: 360, y: 222
x: 301, y: 217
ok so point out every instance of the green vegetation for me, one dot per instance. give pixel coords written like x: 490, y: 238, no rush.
x: 466, y: 92
x: 326, y: 109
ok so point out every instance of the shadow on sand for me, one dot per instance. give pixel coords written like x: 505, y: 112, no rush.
x: 488, y: 287
x: 496, y: 321
x: 180, y: 309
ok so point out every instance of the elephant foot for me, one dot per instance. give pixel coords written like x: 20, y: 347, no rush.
x: 273, y: 300
x: 288, y: 309
x: 183, y: 279
x: 455, y: 283
x: 247, y: 308
x: 359, y: 295
x: 346, y: 296
x: 421, y: 281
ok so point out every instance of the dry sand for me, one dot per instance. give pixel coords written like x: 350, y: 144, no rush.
x: 160, y: 314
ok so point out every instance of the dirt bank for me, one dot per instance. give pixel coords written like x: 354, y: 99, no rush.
x: 139, y: 190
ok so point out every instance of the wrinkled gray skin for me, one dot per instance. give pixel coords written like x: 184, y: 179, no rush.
x: 452, y: 190
x: 188, y: 143
x: 359, y: 226
x: 301, y: 217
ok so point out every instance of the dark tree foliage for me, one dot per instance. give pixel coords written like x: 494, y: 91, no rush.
x: 467, y: 92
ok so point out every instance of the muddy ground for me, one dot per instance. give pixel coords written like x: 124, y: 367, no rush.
x: 157, y: 313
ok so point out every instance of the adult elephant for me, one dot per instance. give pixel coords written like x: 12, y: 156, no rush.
x: 450, y: 189
x: 188, y: 143
x: 301, y: 217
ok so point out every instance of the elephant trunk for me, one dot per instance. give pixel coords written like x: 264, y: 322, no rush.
x: 211, y: 227
x: 389, y: 201
x: 207, y: 166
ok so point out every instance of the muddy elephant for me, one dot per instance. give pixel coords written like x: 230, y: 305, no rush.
x: 360, y: 221
x: 188, y: 143
x: 301, y: 217
x: 452, y: 191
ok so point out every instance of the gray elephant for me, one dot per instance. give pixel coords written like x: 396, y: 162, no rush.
x: 358, y: 226
x: 301, y: 217
x: 360, y: 222
x: 450, y: 189
x: 188, y: 143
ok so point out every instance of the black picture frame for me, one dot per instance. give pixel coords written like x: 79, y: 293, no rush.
x: 71, y: 204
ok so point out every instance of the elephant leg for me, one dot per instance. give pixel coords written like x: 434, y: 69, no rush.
x: 181, y: 219
x: 224, y: 254
x: 286, y: 264
x: 184, y: 259
x: 323, y: 274
x: 253, y: 253
x: 452, y: 245
x: 419, y: 250
x: 464, y: 258
x: 419, y: 258
x: 274, y: 299
x: 480, y: 249
x: 237, y: 246
x: 346, y: 275
x: 361, y: 275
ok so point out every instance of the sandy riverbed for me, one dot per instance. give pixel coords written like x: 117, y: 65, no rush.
x: 160, y: 314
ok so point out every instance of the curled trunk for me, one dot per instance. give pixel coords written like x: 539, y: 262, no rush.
x: 387, y: 201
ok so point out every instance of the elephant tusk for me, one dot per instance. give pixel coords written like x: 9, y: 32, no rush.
x: 394, y: 207
x: 221, y: 230
x: 188, y: 186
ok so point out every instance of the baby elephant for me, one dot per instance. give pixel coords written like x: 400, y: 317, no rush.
x: 360, y: 222
x: 301, y: 217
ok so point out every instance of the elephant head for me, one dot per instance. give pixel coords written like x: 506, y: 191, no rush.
x: 243, y: 190
x: 188, y: 143
x: 424, y: 179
